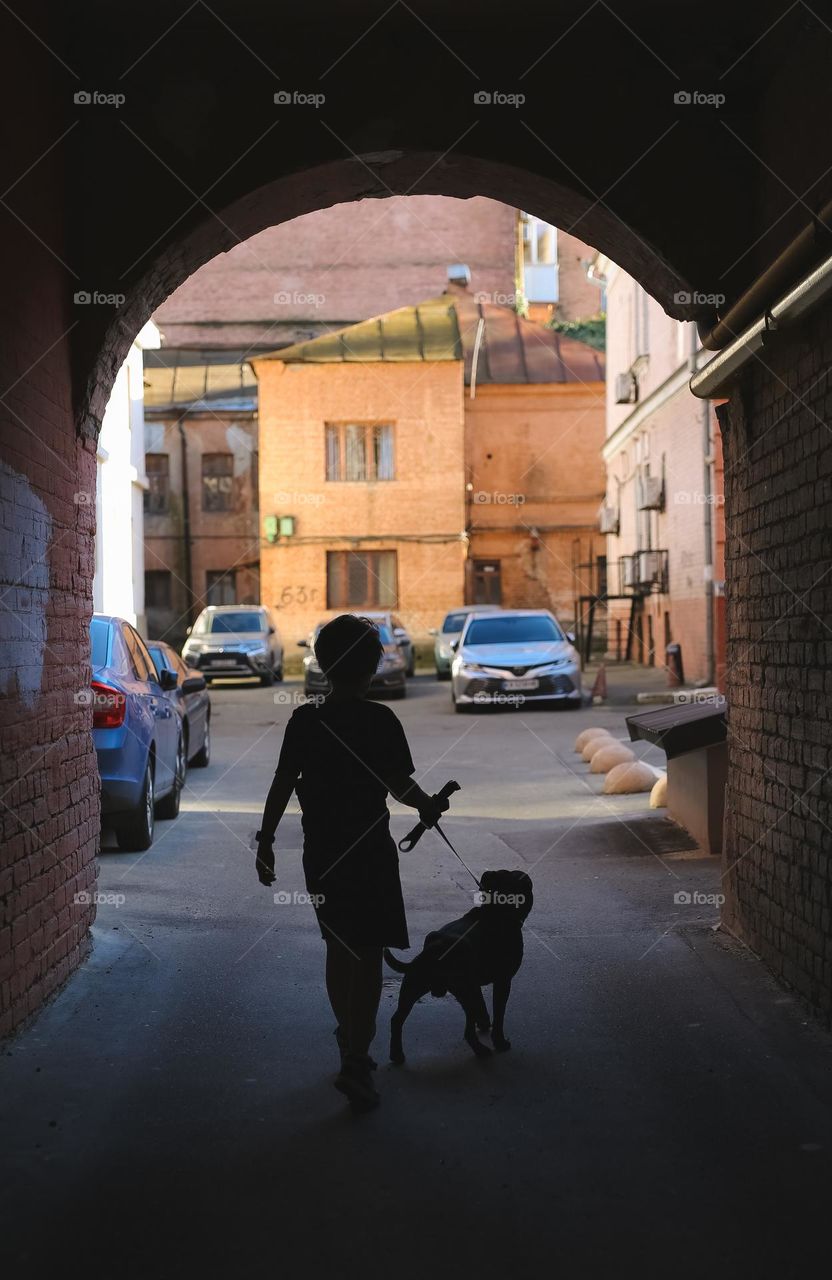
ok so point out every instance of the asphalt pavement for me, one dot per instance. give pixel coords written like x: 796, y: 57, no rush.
x: 664, y: 1107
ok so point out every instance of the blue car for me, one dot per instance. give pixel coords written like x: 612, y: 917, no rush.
x: 137, y: 733
x: 192, y: 700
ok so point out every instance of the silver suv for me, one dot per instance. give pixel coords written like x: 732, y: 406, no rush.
x: 235, y: 640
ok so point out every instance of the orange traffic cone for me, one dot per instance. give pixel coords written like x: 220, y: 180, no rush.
x: 599, y: 689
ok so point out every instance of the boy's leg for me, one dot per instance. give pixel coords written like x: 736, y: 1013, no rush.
x: 364, y: 998
x: 338, y: 973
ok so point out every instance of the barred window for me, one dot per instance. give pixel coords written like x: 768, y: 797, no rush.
x: 217, y: 481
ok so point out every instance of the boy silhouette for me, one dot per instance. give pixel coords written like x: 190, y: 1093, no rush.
x: 342, y: 756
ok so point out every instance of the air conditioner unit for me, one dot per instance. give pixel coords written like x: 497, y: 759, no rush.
x: 608, y: 520
x: 626, y: 388
x: 651, y: 493
x: 628, y: 571
x: 648, y: 567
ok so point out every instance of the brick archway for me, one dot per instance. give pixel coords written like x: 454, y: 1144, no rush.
x: 378, y: 175
x: 85, y: 206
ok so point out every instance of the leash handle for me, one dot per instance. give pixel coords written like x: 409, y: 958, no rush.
x: 414, y: 836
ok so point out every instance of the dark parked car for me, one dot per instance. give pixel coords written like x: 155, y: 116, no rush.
x: 400, y: 634
x: 137, y: 733
x: 390, y: 676
x: 192, y: 700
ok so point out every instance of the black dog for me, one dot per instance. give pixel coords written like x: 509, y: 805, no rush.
x: 485, y: 946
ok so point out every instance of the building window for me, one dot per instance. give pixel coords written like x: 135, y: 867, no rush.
x: 361, y: 579
x: 157, y: 589
x: 488, y: 587
x: 217, y: 481
x: 220, y: 586
x: 157, y: 493
x: 359, y: 451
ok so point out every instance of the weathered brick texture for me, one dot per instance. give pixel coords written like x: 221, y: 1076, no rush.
x: 778, y: 482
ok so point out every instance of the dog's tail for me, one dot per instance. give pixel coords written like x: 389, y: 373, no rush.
x: 399, y: 965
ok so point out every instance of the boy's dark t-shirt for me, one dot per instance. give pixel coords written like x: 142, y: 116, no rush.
x: 344, y: 752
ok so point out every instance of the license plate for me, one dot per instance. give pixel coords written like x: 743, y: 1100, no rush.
x: 223, y: 662
x: 520, y: 684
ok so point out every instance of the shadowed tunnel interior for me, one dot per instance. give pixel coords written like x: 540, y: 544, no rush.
x: 586, y: 115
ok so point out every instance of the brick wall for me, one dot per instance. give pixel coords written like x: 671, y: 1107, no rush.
x: 425, y: 501
x: 778, y: 485
x: 534, y: 460
x: 48, y: 777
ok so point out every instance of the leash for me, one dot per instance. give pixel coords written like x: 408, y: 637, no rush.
x: 414, y: 836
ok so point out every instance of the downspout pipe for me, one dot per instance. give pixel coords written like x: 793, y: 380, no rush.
x: 186, y: 520
x: 713, y: 378
x: 708, y: 522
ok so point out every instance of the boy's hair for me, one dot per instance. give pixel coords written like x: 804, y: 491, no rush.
x: 348, y: 648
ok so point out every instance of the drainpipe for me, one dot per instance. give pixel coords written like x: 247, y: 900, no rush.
x: 708, y: 487
x: 186, y: 520
x: 712, y: 379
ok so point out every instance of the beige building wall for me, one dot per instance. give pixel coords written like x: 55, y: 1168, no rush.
x: 537, y: 479
x: 420, y: 514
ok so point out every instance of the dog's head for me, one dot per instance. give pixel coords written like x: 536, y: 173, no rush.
x: 506, y: 892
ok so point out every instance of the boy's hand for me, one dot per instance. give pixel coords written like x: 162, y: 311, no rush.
x: 432, y: 809
x: 264, y: 864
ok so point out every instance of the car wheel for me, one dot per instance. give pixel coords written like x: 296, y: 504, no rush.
x: 442, y: 675
x: 168, y: 807
x: 203, y: 757
x: 278, y: 675
x: 267, y: 680
x: 398, y: 694
x: 134, y: 832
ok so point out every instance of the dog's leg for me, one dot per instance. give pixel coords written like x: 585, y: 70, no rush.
x: 468, y: 998
x: 483, y: 1018
x: 502, y: 990
x: 408, y: 995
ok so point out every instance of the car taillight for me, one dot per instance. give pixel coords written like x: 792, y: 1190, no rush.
x: 108, y: 706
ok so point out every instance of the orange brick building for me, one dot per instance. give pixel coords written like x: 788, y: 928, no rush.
x: 441, y: 453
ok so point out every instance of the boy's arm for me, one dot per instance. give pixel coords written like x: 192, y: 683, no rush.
x: 406, y: 790
x: 283, y: 784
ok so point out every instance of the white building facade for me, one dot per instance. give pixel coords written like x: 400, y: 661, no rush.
x: 118, y: 585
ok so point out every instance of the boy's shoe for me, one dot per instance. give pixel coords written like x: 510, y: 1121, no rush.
x: 370, y: 1063
x: 355, y: 1082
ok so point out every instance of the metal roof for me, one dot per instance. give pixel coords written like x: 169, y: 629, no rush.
x: 197, y: 382
x: 685, y: 726
x: 511, y: 348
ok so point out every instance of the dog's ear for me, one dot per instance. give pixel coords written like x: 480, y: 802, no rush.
x: 489, y: 881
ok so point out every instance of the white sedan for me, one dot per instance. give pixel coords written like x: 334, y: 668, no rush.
x: 512, y: 657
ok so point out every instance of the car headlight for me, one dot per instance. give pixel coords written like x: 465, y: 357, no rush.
x: 445, y: 651
x: 193, y: 646
x: 391, y: 661
x: 253, y: 646
x: 465, y: 665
